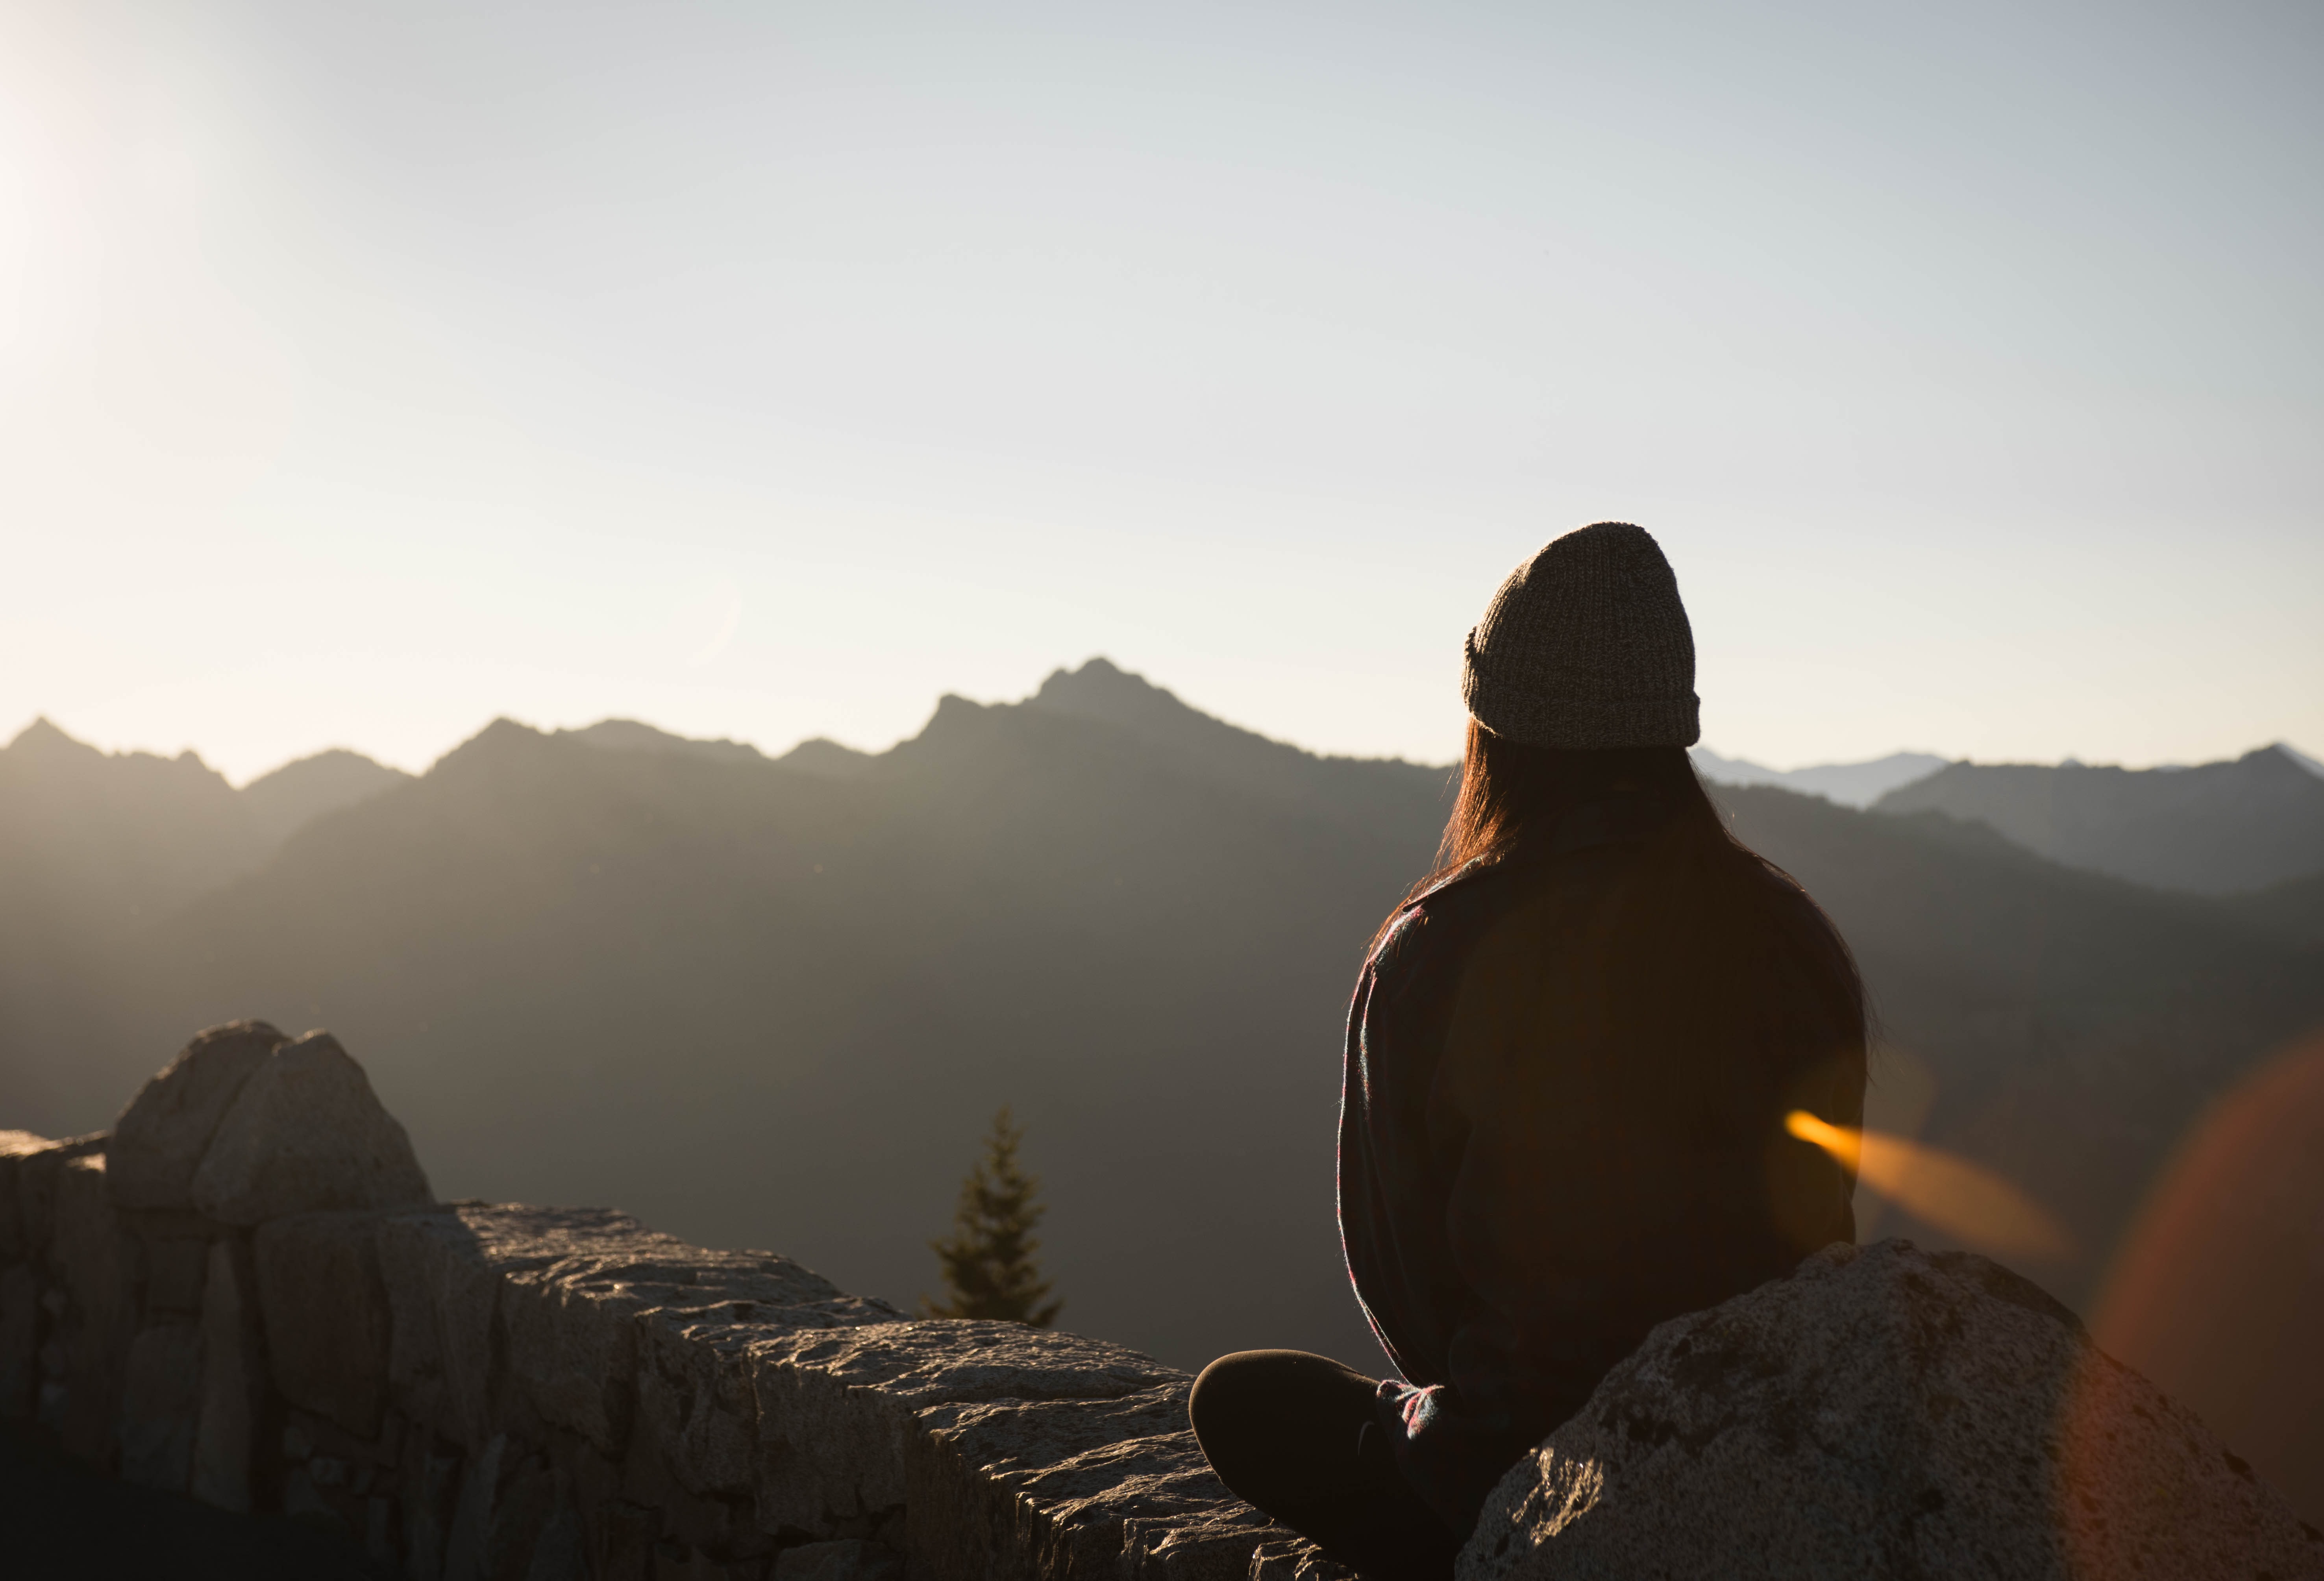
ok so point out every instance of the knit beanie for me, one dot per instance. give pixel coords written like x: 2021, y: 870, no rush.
x: 1586, y: 645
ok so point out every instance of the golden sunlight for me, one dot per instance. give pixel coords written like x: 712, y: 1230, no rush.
x: 1967, y: 1202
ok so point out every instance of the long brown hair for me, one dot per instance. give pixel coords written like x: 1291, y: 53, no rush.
x: 1689, y: 909
x: 1508, y: 789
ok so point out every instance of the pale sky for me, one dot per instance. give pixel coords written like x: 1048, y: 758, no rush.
x: 369, y: 370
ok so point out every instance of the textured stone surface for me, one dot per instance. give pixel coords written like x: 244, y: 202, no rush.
x: 226, y: 1431
x: 326, y: 1314
x: 835, y: 1408
x: 173, y: 1273
x: 1074, y: 1488
x: 92, y: 1252
x: 1286, y: 1555
x: 15, y: 1146
x: 478, y: 1391
x: 168, y: 1126
x: 443, y: 1293
x: 306, y: 1134
x: 161, y: 1404
x: 578, y: 1283
x: 1884, y: 1412
x: 32, y: 1170
x: 20, y: 1340
x: 93, y: 1255
x: 847, y: 1558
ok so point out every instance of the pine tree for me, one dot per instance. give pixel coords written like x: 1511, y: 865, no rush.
x: 988, y: 1267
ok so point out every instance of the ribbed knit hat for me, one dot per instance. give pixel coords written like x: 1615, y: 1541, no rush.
x: 1587, y: 645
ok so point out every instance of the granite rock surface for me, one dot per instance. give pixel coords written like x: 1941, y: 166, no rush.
x: 306, y: 1134
x: 160, y: 1138
x: 477, y: 1391
x: 1884, y: 1412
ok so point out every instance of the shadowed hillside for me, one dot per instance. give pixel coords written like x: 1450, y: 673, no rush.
x: 2212, y: 829
x: 97, y: 849
x: 775, y: 1002
x: 2074, y: 1025
x: 760, y: 1004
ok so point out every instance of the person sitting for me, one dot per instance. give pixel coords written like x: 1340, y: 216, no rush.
x: 1569, y: 1062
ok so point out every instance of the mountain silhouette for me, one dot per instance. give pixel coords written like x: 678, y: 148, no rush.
x: 295, y: 795
x: 630, y: 736
x: 2212, y: 829
x: 775, y: 1002
x: 1849, y: 784
x: 96, y: 850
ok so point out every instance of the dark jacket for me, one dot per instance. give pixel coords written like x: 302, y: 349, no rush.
x: 1534, y: 1173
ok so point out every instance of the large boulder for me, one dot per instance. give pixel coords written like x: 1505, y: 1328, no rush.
x: 326, y: 1314
x: 169, y: 1125
x: 232, y: 1389
x: 1884, y: 1412
x: 306, y: 1134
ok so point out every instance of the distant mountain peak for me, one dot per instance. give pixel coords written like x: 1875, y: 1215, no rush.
x: 1102, y: 689
x: 820, y: 756
x: 2211, y: 829
x: 43, y: 737
x: 288, y: 798
x: 635, y: 735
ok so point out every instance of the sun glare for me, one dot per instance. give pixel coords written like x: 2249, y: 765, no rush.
x: 1969, y: 1202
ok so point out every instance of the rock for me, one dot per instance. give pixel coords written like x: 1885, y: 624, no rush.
x: 160, y: 1405
x: 1074, y: 1487
x: 29, y: 1167
x: 578, y: 1280
x: 845, y: 1559
x: 161, y: 1136
x: 174, y: 1274
x: 93, y: 1253
x: 430, y: 1484
x: 1286, y: 1555
x: 16, y: 1243
x: 1884, y: 1412
x: 91, y: 1250
x: 326, y: 1314
x: 561, y: 1553
x: 442, y: 1291
x: 835, y: 1408
x: 694, y: 1394
x: 232, y: 1383
x: 306, y: 1134
x: 472, y: 1516
x: 20, y: 1340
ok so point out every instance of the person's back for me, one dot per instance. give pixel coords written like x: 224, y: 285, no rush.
x: 1569, y: 1062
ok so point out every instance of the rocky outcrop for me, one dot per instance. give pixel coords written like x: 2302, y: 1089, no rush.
x: 160, y: 1139
x: 260, y: 1306
x: 245, y: 1295
x: 1886, y: 1412
x: 306, y: 1134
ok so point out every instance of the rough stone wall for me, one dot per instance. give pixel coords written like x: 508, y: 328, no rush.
x: 246, y: 1293
x: 484, y: 1392
x: 491, y: 1391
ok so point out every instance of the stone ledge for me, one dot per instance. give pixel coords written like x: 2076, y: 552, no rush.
x: 494, y: 1392
x: 476, y: 1390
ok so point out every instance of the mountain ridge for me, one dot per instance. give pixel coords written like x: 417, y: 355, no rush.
x: 2212, y: 828
x: 764, y: 1004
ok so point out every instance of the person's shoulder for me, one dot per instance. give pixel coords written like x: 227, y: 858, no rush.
x: 1443, y: 919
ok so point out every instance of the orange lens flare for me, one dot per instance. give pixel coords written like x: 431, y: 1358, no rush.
x: 1972, y: 1204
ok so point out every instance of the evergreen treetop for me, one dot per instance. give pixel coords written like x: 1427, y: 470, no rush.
x: 990, y: 1270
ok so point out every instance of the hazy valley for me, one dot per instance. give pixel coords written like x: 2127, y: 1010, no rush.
x: 774, y: 1002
